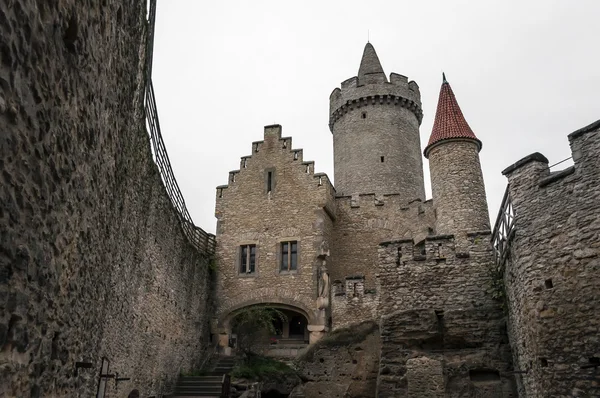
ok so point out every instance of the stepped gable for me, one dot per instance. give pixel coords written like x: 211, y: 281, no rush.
x: 449, y: 120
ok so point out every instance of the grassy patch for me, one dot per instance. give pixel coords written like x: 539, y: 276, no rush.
x: 194, y: 373
x: 261, y: 368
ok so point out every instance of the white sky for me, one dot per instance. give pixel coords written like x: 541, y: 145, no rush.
x: 526, y: 73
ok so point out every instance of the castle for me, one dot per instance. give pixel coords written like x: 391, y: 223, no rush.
x: 107, y: 288
x: 372, y: 247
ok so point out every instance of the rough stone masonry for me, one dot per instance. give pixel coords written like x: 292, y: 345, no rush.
x: 93, y: 262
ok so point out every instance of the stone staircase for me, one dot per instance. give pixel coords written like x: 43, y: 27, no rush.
x: 205, y: 386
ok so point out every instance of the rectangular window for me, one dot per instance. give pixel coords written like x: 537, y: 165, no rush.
x: 248, y: 259
x: 289, y: 256
x: 269, y: 181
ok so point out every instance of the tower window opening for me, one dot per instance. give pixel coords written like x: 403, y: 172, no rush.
x: 548, y: 283
x: 543, y: 362
x: 248, y: 259
x: 269, y: 181
x: 220, y: 193
x: 244, y: 161
x: 363, y: 115
x: 296, y: 155
x: 308, y: 169
x: 288, y: 256
x: 382, y: 159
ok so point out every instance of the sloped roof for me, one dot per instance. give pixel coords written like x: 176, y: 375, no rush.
x: 449, y: 121
x: 370, y: 70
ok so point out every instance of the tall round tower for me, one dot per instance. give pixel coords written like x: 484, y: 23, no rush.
x: 456, y: 178
x: 375, y: 126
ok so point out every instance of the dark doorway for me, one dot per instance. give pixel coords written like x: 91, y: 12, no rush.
x: 297, y: 326
x: 134, y: 394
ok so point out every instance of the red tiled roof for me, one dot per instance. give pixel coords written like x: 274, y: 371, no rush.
x: 449, y: 121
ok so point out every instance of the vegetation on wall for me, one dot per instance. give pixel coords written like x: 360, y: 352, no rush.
x: 254, y: 325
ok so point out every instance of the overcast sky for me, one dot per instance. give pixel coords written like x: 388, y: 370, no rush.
x: 525, y: 73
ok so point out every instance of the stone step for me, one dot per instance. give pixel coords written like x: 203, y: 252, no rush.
x: 201, y: 378
x: 199, y: 391
x: 210, y: 382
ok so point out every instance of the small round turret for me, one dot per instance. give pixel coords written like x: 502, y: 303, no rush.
x: 375, y: 126
x: 456, y: 178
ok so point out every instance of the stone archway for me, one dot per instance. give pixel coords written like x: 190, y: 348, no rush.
x: 300, y: 333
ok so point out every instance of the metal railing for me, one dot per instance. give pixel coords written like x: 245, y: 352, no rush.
x: 504, y: 230
x: 201, y: 240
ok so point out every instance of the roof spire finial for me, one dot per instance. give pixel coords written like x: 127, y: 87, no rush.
x: 444, y: 78
x: 368, y: 36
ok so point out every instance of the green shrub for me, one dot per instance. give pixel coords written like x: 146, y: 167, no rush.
x: 260, y: 368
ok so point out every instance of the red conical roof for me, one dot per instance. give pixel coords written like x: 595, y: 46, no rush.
x: 449, y: 121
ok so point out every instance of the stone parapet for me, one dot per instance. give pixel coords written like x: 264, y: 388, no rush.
x: 351, y: 96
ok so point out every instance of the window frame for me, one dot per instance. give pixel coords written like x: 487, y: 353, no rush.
x: 288, y: 255
x: 247, y: 261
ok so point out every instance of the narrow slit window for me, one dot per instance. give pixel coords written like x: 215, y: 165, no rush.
x: 269, y: 181
x: 289, y: 256
x: 364, y: 115
x: 382, y: 159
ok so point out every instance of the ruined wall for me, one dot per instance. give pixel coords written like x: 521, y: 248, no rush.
x: 440, y: 321
x: 552, y: 274
x: 93, y: 262
x: 454, y: 353
x: 343, y: 364
x: 299, y: 208
x: 363, y: 221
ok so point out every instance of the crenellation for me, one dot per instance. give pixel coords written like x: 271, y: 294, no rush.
x: 398, y: 79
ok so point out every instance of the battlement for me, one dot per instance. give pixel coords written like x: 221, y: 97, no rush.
x: 394, y: 200
x: 433, y: 249
x: 534, y: 168
x: 398, y: 92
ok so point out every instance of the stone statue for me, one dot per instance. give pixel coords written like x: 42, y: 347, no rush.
x: 323, y: 299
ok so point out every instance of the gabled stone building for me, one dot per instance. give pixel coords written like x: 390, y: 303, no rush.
x: 372, y: 247
x: 447, y: 293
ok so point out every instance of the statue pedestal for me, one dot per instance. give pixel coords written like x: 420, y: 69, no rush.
x: 316, y: 333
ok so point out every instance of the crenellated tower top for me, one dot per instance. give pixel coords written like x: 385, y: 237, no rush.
x: 375, y: 125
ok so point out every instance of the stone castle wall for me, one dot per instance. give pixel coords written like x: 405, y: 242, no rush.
x: 93, y: 262
x: 552, y: 274
x: 298, y: 208
x: 443, y: 334
x: 363, y: 221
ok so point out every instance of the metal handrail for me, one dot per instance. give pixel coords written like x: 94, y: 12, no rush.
x: 200, y: 239
x: 504, y: 231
